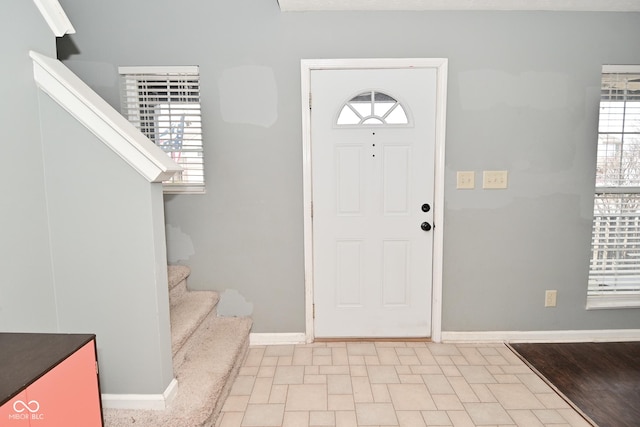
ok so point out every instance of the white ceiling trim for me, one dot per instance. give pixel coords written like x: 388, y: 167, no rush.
x: 413, y: 5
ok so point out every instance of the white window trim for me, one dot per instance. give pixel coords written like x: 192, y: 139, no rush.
x: 619, y: 300
x: 170, y: 69
x: 597, y: 302
x: 610, y: 68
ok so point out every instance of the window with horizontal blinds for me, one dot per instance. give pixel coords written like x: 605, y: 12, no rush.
x: 164, y: 104
x: 615, y: 244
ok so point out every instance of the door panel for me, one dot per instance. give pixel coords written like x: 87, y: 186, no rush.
x: 396, y: 180
x: 349, y: 273
x: 372, y: 261
x: 395, y: 273
x: 349, y: 180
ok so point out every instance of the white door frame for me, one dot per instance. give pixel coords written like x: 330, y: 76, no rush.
x: 440, y: 65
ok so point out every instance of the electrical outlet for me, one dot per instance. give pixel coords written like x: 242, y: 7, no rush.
x: 550, y: 298
x: 466, y: 180
x: 494, y: 179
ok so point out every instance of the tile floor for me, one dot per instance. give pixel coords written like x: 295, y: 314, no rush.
x: 391, y: 384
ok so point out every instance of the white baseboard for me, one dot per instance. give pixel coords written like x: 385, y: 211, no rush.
x: 277, y: 338
x: 157, y: 402
x: 605, y: 335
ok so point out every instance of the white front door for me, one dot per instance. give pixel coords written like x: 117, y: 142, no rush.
x: 373, y: 135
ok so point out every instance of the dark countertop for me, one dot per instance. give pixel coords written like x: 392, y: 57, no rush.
x: 25, y: 357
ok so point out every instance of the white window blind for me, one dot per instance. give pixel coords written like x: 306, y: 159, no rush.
x: 615, y: 245
x: 164, y: 103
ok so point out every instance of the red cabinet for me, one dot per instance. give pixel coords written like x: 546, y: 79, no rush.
x: 49, y: 380
x: 18, y: 417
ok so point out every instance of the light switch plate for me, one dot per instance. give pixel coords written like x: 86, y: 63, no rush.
x: 494, y: 179
x: 466, y: 180
x: 550, y: 298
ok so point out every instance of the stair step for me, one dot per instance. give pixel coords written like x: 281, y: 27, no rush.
x: 218, y: 352
x: 188, y: 311
x: 177, y: 275
x: 208, y: 352
x: 214, y: 355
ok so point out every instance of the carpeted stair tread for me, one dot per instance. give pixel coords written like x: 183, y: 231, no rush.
x: 177, y: 280
x: 214, y: 355
x: 187, y: 312
x: 176, y: 274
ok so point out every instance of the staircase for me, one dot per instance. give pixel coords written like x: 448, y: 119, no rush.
x: 207, y: 354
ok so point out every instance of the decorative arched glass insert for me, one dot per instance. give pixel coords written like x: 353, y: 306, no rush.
x: 372, y: 108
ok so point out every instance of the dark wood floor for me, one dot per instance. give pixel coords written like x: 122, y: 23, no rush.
x: 602, y: 379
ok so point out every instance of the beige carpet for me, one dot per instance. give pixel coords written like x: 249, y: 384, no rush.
x: 208, y: 352
x: 216, y: 353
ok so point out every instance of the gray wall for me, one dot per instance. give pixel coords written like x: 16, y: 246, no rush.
x: 522, y: 96
x: 26, y: 288
x: 103, y: 219
x: 82, y: 244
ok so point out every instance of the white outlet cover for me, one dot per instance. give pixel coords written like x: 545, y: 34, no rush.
x: 550, y: 298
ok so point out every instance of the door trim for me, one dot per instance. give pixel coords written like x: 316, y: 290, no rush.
x: 440, y: 65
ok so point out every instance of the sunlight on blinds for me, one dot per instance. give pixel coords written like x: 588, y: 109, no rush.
x: 165, y: 105
x: 615, y: 243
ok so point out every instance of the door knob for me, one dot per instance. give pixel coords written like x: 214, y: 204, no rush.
x: 426, y: 207
x: 425, y: 226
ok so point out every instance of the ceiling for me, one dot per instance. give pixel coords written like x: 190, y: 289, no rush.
x: 557, y: 5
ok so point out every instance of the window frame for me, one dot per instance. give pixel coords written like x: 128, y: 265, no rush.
x: 365, y: 120
x: 159, y: 117
x: 612, y: 299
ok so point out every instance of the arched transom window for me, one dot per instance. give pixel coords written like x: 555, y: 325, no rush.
x: 372, y: 108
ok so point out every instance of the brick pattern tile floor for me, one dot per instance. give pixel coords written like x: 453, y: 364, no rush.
x: 405, y: 384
